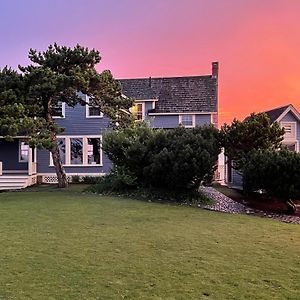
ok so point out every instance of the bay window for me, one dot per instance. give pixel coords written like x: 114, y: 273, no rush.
x: 80, y: 151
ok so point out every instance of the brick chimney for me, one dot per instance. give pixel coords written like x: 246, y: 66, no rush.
x: 215, y: 69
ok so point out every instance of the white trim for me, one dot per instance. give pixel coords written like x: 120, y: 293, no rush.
x: 63, y: 111
x: 84, y: 151
x: 87, y: 111
x: 145, y: 100
x: 193, y: 120
x: 288, y: 109
x: 19, y: 151
x: 183, y: 113
x: 291, y: 142
x: 72, y: 174
x: 143, y: 109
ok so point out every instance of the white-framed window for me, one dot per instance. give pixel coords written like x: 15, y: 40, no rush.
x: 187, y: 120
x: 138, y: 110
x: 91, y: 109
x: 80, y: 150
x: 23, y: 151
x: 290, y: 130
x: 59, y: 110
x: 291, y: 146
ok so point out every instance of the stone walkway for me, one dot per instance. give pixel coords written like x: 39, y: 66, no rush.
x: 225, y: 204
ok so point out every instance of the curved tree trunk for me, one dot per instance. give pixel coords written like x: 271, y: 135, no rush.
x: 60, y: 171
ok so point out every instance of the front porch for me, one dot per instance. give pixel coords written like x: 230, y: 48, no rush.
x: 18, y: 165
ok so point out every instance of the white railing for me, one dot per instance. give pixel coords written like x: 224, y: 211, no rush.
x: 0, y: 168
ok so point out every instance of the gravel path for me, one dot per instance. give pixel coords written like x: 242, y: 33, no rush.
x: 225, y: 204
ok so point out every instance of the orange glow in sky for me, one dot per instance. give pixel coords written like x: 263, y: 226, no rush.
x: 257, y: 42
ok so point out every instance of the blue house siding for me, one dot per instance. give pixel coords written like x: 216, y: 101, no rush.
x: 289, y: 117
x: 237, y: 179
x: 203, y: 120
x: 172, y: 121
x: 165, y: 121
x: 76, y: 122
x: 9, y: 155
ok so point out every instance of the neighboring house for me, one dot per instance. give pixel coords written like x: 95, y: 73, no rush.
x: 288, y: 118
x: 163, y: 102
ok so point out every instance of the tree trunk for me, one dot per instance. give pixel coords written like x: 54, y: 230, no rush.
x: 60, y: 171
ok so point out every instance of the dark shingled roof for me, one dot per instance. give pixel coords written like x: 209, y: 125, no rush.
x: 273, y: 114
x: 175, y: 94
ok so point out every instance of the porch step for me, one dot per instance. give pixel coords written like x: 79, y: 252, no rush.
x: 13, y: 182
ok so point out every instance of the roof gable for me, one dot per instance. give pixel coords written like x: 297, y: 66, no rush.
x: 277, y: 114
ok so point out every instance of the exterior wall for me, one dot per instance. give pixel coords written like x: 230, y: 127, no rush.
x: 237, y: 179
x: 76, y: 123
x: 172, y: 121
x: 43, y: 166
x: 164, y: 121
x: 289, y: 117
x: 203, y: 120
x: 9, y: 155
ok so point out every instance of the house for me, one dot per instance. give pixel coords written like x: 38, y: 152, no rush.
x: 288, y: 118
x: 163, y: 102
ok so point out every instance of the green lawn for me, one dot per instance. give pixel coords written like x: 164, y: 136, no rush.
x: 68, y: 245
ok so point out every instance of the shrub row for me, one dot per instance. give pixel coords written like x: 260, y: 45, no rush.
x: 277, y: 173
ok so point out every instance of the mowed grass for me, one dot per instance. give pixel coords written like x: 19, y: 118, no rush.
x: 69, y: 245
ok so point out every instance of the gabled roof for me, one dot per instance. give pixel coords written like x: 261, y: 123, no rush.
x: 278, y: 113
x: 175, y: 94
x: 275, y: 113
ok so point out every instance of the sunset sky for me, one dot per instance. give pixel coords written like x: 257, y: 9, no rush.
x: 257, y: 42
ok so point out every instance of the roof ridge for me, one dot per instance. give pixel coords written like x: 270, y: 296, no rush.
x: 275, y: 108
x: 167, y: 77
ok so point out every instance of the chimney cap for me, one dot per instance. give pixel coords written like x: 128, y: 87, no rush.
x: 215, y: 69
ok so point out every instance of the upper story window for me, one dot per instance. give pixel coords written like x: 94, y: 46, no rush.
x: 58, y: 110
x: 92, y: 110
x: 290, y: 130
x: 138, y: 110
x: 187, y: 120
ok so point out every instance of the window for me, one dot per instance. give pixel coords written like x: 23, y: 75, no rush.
x: 93, y: 151
x: 187, y: 120
x: 80, y: 151
x: 58, y: 110
x: 76, y: 151
x: 92, y: 110
x: 292, y: 146
x: 138, y: 111
x: 62, y: 149
x: 23, y: 151
x: 290, y: 130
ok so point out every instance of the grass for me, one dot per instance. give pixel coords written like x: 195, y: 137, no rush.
x: 69, y: 245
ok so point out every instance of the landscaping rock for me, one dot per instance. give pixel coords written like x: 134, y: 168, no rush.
x: 227, y: 205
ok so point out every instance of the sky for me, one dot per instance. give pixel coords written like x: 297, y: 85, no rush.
x: 257, y: 42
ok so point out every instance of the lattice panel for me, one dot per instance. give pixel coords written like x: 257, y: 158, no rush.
x: 53, y: 179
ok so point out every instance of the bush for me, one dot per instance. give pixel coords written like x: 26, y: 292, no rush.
x: 91, y: 179
x: 108, y: 187
x: 76, y: 179
x: 115, y: 182
x: 277, y: 173
x: 176, y: 159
